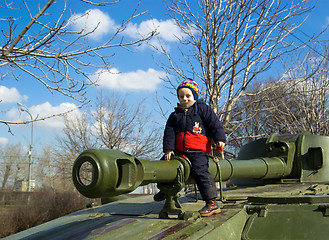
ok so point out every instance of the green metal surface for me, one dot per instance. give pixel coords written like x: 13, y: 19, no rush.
x: 288, y: 222
x: 277, y: 189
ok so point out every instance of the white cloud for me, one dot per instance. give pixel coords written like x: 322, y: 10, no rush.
x: 43, y: 110
x: 167, y: 29
x: 95, y: 21
x: 130, y: 81
x: 3, y: 141
x: 98, y: 23
x: 10, y: 95
x: 46, y: 109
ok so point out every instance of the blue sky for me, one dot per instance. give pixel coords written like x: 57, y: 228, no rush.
x: 140, y: 77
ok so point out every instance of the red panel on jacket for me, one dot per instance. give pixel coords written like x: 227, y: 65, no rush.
x: 192, y: 141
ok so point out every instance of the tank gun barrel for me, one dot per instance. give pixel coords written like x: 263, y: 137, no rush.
x: 104, y: 173
x: 263, y: 168
x: 113, y: 172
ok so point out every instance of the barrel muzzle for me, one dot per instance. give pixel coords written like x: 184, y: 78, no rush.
x: 107, y: 173
x: 101, y: 173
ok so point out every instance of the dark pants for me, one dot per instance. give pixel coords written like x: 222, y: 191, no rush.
x: 202, y: 177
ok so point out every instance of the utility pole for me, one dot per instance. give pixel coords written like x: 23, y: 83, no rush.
x: 25, y: 109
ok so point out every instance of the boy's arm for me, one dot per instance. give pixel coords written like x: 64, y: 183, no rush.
x: 214, y: 126
x: 169, y: 137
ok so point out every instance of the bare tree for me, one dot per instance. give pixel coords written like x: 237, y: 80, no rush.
x: 55, y: 55
x: 295, y: 103
x: 113, y: 125
x: 12, y: 166
x: 251, y: 117
x: 227, y: 44
x: 46, y: 170
x: 78, y: 135
x: 305, y: 105
x: 126, y: 128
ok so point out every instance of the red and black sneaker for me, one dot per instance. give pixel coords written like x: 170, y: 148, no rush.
x: 210, y: 208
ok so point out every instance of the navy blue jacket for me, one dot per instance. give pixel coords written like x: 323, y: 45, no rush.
x: 193, y: 129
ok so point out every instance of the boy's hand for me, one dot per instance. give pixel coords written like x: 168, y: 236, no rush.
x: 219, y: 146
x: 168, y: 154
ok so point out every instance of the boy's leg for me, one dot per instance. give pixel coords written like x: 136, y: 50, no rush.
x: 205, y: 182
x: 202, y: 177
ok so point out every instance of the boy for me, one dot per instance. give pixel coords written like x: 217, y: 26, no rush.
x: 190, y: 130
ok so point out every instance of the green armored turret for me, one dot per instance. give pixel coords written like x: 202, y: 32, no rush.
x: 278, y: 188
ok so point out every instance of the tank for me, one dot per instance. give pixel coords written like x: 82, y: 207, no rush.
x: 277, y: 188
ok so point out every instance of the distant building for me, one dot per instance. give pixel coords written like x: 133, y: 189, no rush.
x: 22, y: 185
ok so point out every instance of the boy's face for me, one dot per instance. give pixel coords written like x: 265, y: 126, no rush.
x: 185, y: 95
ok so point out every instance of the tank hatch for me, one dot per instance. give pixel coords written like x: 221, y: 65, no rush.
x: 293, y: 221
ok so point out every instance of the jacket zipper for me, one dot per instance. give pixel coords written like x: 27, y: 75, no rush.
x: 184, y: 127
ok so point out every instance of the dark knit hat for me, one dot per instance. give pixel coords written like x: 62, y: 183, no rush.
x: 190, y: 84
